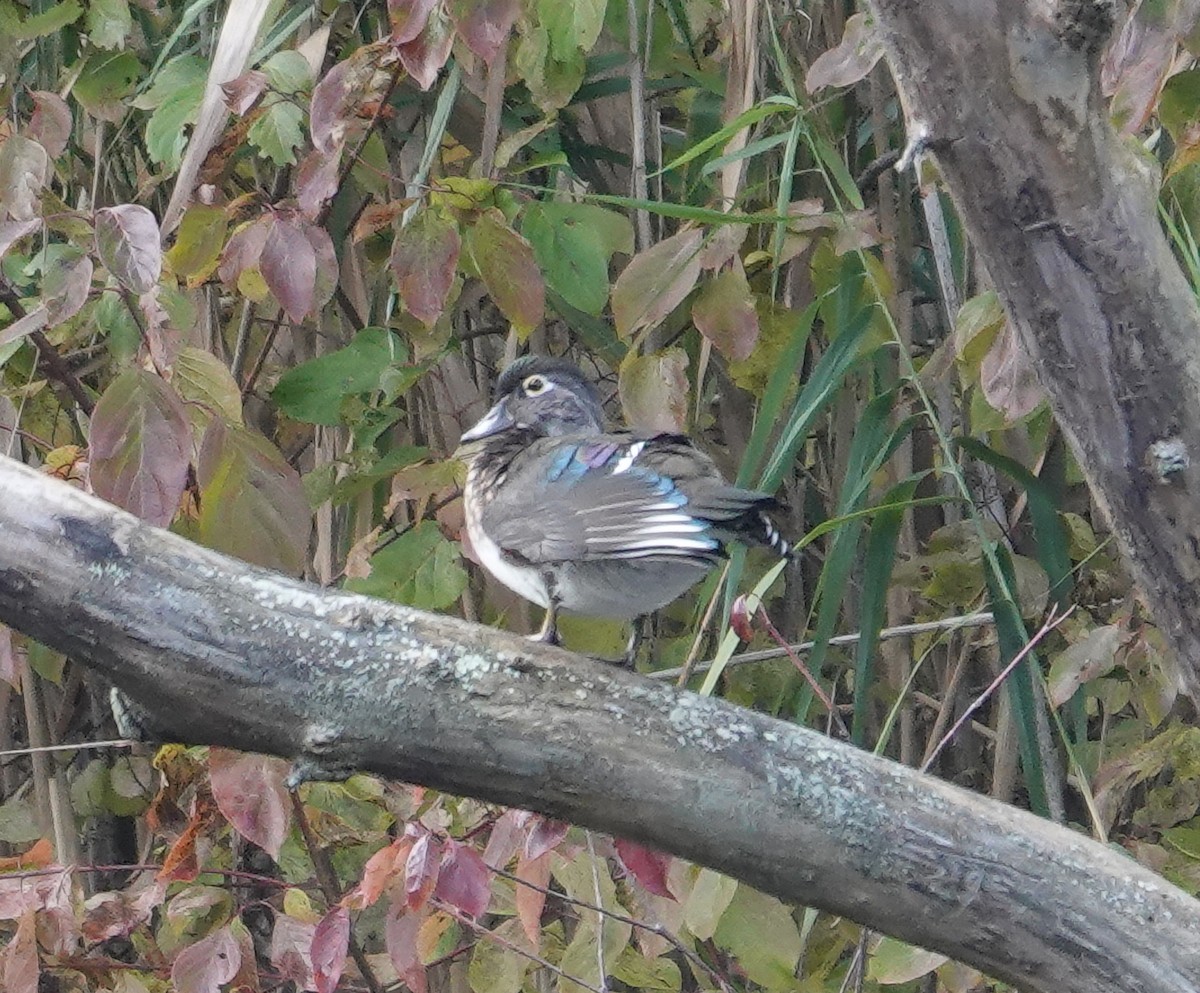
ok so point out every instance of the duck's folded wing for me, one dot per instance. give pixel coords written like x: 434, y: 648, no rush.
x: 595, y: 499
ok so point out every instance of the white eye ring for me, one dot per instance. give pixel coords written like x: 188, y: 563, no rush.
x: 536, y: 386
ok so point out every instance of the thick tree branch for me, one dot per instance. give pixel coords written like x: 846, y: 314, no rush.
x: 221, y: 652
x: 1063, y: 214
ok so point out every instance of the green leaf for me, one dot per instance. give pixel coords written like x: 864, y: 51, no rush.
x: 769, y: 107
x: 288, y: 71
x: 166, y: 131
x: 106, y: 80
x: 108, y: 23
x: 894, y: 962
x: 314, y: 390
x: 199, y: 241
x: 496, y: 965
x: 508, y: 269
x: 253, y: 504
x: 759, y: 932
x: 571, y: 26
x: 421, y: 568
x: 276, y: 132
x: 573, y: 243
x: 640, y: 973
x: 49, y: 21
x: 709, y: 899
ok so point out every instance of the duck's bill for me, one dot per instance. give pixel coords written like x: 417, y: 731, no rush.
x: 493, y: 422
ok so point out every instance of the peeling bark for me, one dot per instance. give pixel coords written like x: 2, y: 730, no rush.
x: 1063, y: 214
x: 223, y: 653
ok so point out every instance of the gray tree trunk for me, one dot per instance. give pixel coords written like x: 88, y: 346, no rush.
x: 1064, y: 216
x: 220, y: 652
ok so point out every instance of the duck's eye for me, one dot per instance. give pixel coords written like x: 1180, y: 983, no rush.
x: 535, y: 386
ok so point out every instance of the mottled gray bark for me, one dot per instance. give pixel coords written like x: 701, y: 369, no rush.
x: 1062, y: 212
x: 221, y: 652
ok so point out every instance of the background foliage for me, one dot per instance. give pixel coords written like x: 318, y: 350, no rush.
x: 695, y: 200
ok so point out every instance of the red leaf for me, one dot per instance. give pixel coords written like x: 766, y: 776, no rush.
x: 289, y: 267
x: 463, y: 880
x: 128, y: 242
x: 421, y: 870
x: 50, y: 123
x: 111, y: 915
x: 724, y: 313
x: 243, y: 92
x: 140, y: 445
x: 505, y: 838
x: 509, y: 271
x: 424, y: 56
x: 424, y: 259
x: 647, y: 866
x: 530, y: 902
x: 65, y: 288
x: 204, y: 966
x: 484, y: 24
x: 250, y: 793
x: 21, y: 968
x: 243, y: 250
x: 400, y: 937
x: 317, y: 181
x: 340, y: 94
x: 330, y: 942
x: 381, y: 868
x: 326, y: 282
x: 408, y: 18
x: 544, y: 835
x: 291, y: 947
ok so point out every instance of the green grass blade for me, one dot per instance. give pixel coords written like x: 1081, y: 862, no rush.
x: 1051, y: 537
x: 878, y: 563
x: 1011, y: 634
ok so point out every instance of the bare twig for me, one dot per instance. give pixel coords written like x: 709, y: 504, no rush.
x: 327, y: 880
x: 981, y: 619
x: 1053, y: 620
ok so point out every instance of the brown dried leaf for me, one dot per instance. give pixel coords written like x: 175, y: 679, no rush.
x: 21, y: 966
x: 724, y: 313
x: 656, y: 281
x: 849, y: 60
x: 1008, y: 378
x: 654, y: 390
x: 244, y: 92
x: 24, y: 167
x: 317, y: 181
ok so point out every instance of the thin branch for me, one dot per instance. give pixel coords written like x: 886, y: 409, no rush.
x: 507, y: 945
x: 327, y: 880
x: 55, y: 367
x: 981, y: 619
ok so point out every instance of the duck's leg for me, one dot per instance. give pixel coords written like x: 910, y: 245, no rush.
x: 637, y: 635
x: 549, y: 632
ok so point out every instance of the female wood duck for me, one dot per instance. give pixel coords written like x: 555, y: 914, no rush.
x: 570, y: 516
